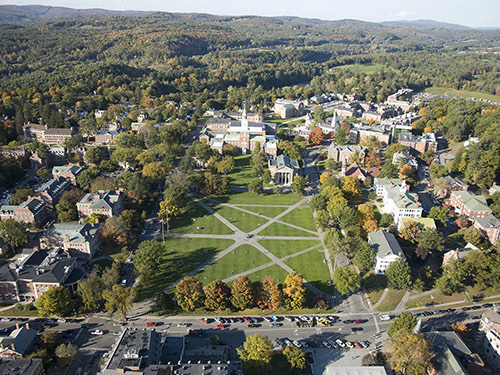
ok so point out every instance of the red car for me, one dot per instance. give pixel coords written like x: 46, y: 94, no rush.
x: 150, y: 324
x: 358, y: 345
x: 219, y: 326
x: 204, y: 320
x: 359, y: 321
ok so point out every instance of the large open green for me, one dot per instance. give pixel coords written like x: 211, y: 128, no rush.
x: 462, y: 93
x: 278, y: 229
x: 241, y: 259
x: 242, y: 173
x: 264, y: 210
x: 283, y: 248
x: 243, y: 220
x: 197, y: 217
x: 301, y: 217
x: 312, y: 266
x: 182, y: 255
x: 278, y: 274
x: 252, y: 198
x: 363, y: 68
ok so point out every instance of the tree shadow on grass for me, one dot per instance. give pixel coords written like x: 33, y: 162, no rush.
x: 374, y: 283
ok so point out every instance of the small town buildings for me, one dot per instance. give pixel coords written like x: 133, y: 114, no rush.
x: 347, y: 111
x: 420, y: 144
x: 468, y: 204
x: 359, y: 133
x: 489, y: 338
x: 52, y: 190
x: 106, y: 137
x: 22, y: 366
x: 105, y: 203
x: 401, y: 99
x: 401, y: 158
x: 44, y: 134
x: 69, y: 172
x: 489, y: 226
x: 362, y: 173
x: 30, y: 211
x: 341, y: 153
x: 397, y: 200
x: 79, y: 240
x: 283, y: 170
x: 387, y: 250
x: 452, y: 184
x: 458, y: 254
x: 19, y: 343
x: 284, y: 108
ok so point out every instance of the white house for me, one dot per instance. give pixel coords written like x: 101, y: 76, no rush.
x: 387, y: 250
x: 489, y: 332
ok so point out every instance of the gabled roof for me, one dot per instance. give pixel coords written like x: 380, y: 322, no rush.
x: 33, y: 205
x: 59, y: 131
x: 54, y: 186
x: 101, y: 199
x: 74, y: 169
x: 472, y: 202
x: 77, y: 233
x: 489, y: 222
x: 21, y: 338
x: 283, y: 161
x: 385, y: 244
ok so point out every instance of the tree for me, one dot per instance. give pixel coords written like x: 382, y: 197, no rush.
x: 295, y: 357
x: 318, y: 202
x: 398, y: 274
x: 90, y: 291
x: 319, y: 114
x: 371, y: 143
x: 407, y: 173
x: 316, y: 136
x: 43, y: 173
x: 439, y: 213
x: 256, y: 185
x: 410, y: 231
x: 473, y: 235
x: 226, y: 165
x: 389, y: 170
x: 437, y: 171
x: 256, y: 354
x: 342, y: 136
x: 217, y: 295
x: 65, y: 352
x: 156, y: 171
x: 21, y: 195
x: 214, y: 184
x: 364, y: 258
x: 94, y: 156
x: 50, y: 340
x: 290, y: 149
x: 346, y: 280
x: 189, y: 293
x: 169, y: 210
x: 410, y: 354
x: 322, y: 219
x: 294, y: 290
x: 148, y: 259
x: 373, y: 160
x: 242, y: 293
x: 88, y: 127
x: 13, y: 233
x: 351, y: 187
x: 386, y: 220
x: 404, y: 321
x: 421, y: 252
x: 299, y: 184
x: 55, y: 301
x: 430, y: 239
x: 392, y: 149
x: 269, y: 296
x: 119, y: 299
x: 460, y: 327
x: 324, y: 177
x: 114, y: 230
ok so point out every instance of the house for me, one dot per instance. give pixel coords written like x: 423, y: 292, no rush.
x: 22, y: 366
x: 489, y: 338
x: 397, y: 200
x: 387, y: 250
x: 79, y: 240
x: 418, y: 143
x: 34, y: 132
x: 284, y: 108
x: 30, y: 277
x: 489, y: 226
x: 346, y: 112
x: 69, y: 172
x: 341, y: 153
x: 458, y: 254
x: 30, y: 211
x: 468, y: 204
x: 359, y: 133
x: 7, y: 211
x: 52, y: 190
x: 401, y: 158
x: 451, y: 184
x: 283, y: 170
x: 379, y: 184
x: 19, y: 343
x: 107, y: 136
x: 361, y: 173
x: 105, y: 203
x: 44, y: 134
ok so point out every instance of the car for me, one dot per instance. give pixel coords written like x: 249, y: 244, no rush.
x: 204, y: 320
x: 333, y: 344
x: 150, y: 324
x: 47, y: 321
x: 385, y: 317
x: 340, y: 343
x: 364, y: 344
x: 180, y: 325
x: 143, y: 232
x: 357, y: 345
x: 273, y: 325
x: 359, y: 321
x: 348, y: 321
x: 253, y: 325
x: 486, y: 305
x: 246, y: 319
x: 287, y: 342
x: 268, y: 319
x: 297, y: 343
x: 5, y: 320
x: 219, y: 326
x: 97, y: 332
x: 117, y: 333
x: 326, y: 345
x: 4, y: 330
x: 349, y: 345
x: 289, y: 318
x: 356, y: 329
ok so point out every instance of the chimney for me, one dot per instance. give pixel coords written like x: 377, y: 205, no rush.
x: 66, y: 238
x: 27, y: 325
x: 36, y: 248
x: 13, y: 347
x: 17, y: 325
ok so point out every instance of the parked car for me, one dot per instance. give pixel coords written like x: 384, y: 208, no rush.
x: 326, y: 345
x: 150, y: 324
x: 97, y: 332
x: 219, y: 326
x: 253, y: 325
x: 340, y: 343
x: 385, y: 317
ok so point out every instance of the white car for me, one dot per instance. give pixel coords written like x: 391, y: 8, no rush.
x: 340, y: 343
x: 97, y: 332
x: 61, y: 320
x: 385, y: 317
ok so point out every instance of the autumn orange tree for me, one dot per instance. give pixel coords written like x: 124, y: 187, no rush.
x: 269, y: 294
x: 316, y: 136
x: 294, y: 290
x: 460, y: 327
x: 324, y: 177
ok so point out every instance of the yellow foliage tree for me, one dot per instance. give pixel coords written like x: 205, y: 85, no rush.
x: 173, y: 209
x: 324, y: 176
x: 352, y: 187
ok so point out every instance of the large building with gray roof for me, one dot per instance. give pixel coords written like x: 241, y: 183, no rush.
x: 104, y: 203
x: 387, y: 249
x: 80, y: 240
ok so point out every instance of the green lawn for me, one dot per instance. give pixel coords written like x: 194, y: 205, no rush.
x: 182, y: 256
x: 196, y: 216
x: 244, y: 221
x: 252, y: 198
x: 278, y: 274
x: 374, y: 286
x: 311, y: 265
x: 302, y: 217
x: 434, y: 299
x: 462, y: 93
x: 264, y: 210
x: 363, y: 68
x: 282, y: 248
x: 241, y: 259
x: 103, y: 263
x: 278, y: 229
x: 18, y: 311
x: 242, y: 173
x: 391, y: 300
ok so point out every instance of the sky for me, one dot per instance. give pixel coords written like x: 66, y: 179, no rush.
x: 476, y: 13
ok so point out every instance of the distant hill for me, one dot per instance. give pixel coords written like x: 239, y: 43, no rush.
x: 425, y: 24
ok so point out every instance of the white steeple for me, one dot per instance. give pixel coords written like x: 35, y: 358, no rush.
x: 244, y: 119
x: 402, y: 187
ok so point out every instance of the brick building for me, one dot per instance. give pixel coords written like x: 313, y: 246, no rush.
x: 468, y: 204
x: 105, y: 203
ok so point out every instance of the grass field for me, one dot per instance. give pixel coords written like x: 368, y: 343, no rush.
x: 278, y: 274
x: 241, y: 259
x: 391, y: 300
x: 438, y: 299
x: 242, y: 173
x: 302, y: 217
x: 252, y: 198
x: 311, y: 265
x: 196, y: 216
x: 374, y: 286
x: 183, y: 255
x: 244, y: 221
x: 283, y: 248
x: 363, y: 68
x: 278, y: 229
x: 265, y: 211
x: 462, y: 93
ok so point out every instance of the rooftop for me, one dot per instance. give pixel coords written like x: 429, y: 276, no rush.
x: 471, y: 201
x: 20, y: 366
x: 489, y: 222
x: 76, y: 232
x: 384, y: 244
x: 75, y: 169
x: 283, y: 161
